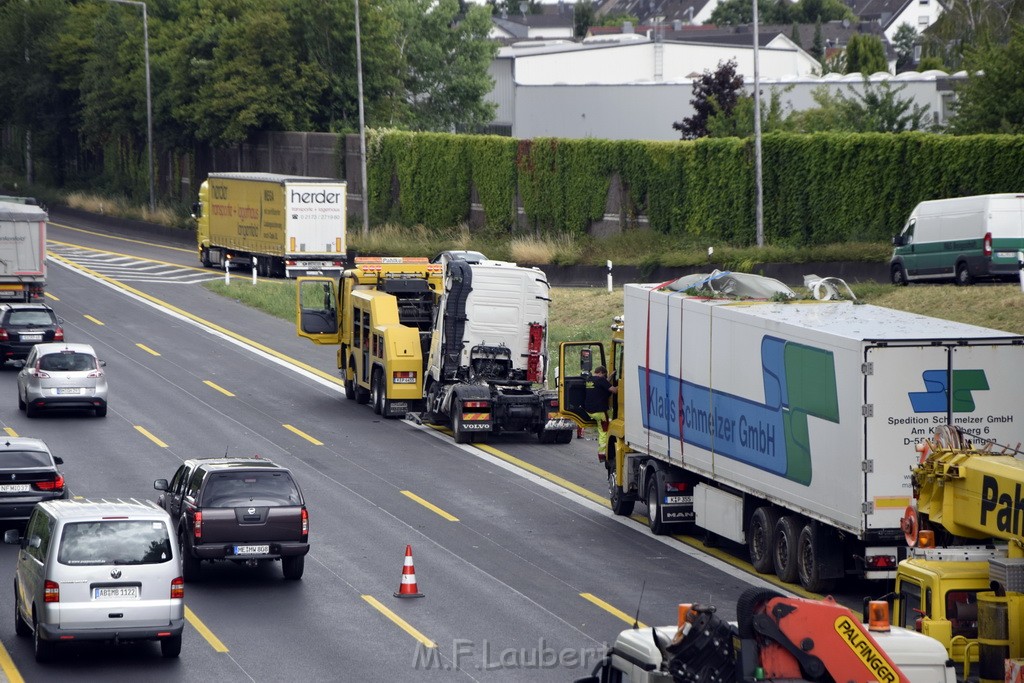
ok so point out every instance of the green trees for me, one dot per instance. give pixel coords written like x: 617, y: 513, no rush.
x: 865, y: 54
x: 992, y: 99
x: 714, y: 93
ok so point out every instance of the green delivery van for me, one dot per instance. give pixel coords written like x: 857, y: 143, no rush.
x: 963, y: 239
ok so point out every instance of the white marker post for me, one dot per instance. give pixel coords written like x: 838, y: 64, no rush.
x: 609, y: 265
x: 253, y: 271
x: 1020, y: 269
x: 227, y: 270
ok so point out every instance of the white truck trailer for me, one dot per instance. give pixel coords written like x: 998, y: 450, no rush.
x: 787, y: 426
x: 22, y: 250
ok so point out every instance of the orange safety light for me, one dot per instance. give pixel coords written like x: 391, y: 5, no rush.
x: 878, y: 615
x: 926, y: 538
x: 684, y: 609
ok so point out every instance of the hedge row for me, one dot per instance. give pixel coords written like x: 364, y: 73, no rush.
x: 819, y: 188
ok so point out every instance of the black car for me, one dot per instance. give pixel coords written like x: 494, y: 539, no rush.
x: 246, y: 510
x: 23, y: 325
x: 28, y: 475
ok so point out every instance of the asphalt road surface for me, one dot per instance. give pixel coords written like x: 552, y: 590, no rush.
x: 526, y: 574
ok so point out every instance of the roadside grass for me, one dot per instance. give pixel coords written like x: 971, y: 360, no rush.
x: 579, y: 313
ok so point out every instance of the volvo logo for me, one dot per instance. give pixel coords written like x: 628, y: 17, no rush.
x: 115, y: 574
x: 251, y: 511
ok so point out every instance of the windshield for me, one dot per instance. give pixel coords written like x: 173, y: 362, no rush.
x: 235, y: 489
x: 118, y: 541
x: 14, y: 459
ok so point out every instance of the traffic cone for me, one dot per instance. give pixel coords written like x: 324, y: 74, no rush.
x: 408, y: 589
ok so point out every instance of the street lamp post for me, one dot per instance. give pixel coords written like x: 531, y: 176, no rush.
x: 362, y: 128
x: 759, y: 219
x: 149, y: 98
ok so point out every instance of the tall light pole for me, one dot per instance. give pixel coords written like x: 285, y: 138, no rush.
x: 149, y: 98
x: 757, y: 138
x: 362, y: 128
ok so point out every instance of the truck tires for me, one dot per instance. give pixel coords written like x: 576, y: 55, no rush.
x: 293, y: 567
x: 204, y: 257
x: 350, y: 385
x: 898, y: 275
x: 617, y: 497
x: 813, y: 554
x: 761, y: 538
x: 189, y: 564
x: 377, y: 391
x: 655, y: 492
x: 459, y: 432
x: 963, y: 275
x: 787, y: 540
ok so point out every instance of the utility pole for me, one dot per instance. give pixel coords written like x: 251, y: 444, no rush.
x: 362, y: 128
x: 149, y: 98
x: 757, y: 137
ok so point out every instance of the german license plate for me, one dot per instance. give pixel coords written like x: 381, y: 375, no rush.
x: 1006, y: 254
x: 31, y: 337
x: 115, y: 593
x: 679, y: 500
x: 252, y: 549
x: 14, y: 488
x: 64, y: 391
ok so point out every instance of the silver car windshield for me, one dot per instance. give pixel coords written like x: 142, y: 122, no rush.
x: 67, y: 362
x: 114, y: 542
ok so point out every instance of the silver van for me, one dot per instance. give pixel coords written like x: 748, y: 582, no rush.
x: 98, y: 570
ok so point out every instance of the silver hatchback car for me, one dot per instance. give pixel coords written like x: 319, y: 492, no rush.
x: 98, y: 570
x: 62, y: 376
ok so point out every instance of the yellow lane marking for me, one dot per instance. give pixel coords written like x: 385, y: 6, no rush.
x: 146, y: 433
x: 304, y: 435
x: 114, y: 237
x: 430, y: 506
x: 191, y: 316
x: 218, y: 388
x: 590, y: 597
x: 198, y: 625
x: 89, y: 317
x: 401, y: 623
x: 50, y: 296
x: 147, y: 349
x: 553, y: 478
x: 10, y: 431
x: 7, y: 666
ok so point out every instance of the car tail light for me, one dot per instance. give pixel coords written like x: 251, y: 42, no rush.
x: 3, y: 335
x: 51, y: 591
x: 988, y: 244
x: 42, y: 374
x: 178, y: 589
x: 55, y: 485
x: 197, y: 530
x: 95, y: 374
x: 305, y: 525
x: 58, y: 334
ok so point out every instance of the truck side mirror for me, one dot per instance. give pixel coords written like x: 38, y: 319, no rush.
x: 586, y: 361
x: 897, y: 240
x: 160, y: 484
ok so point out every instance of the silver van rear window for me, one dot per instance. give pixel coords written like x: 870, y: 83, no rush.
x: 121, y: 541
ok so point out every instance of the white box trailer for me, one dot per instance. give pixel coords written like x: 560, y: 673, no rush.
x: 790, y: 427
x: 22, y: 250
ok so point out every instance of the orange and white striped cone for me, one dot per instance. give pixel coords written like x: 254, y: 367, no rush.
x: 408, y: 588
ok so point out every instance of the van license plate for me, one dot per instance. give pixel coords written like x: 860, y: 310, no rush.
x: 1006, y: 254
x: 64, y: 391
x: 14, y: 488
x: 116, y: 593
x: 252, y: 549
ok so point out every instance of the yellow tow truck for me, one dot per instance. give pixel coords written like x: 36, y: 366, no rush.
x: 379, y: 314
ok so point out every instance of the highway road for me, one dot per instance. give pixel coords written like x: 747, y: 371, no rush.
x: 526, y: 574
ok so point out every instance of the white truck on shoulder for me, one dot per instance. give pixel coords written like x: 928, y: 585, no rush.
x: 787, y: 426
x: 22, y: 250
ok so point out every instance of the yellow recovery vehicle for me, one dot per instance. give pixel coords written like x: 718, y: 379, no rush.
x: 963, y: 582
x: 380, y: 315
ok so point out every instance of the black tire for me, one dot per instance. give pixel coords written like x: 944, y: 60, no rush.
x: 20, y: 627
x: 43, y: 648
x: 564, y: 436
x: 761, y: 538
x: 350, y: 385
x: 617, y: 497
x: 189, y: 563
x: 377, y: 392
x: 963, y: 275
x: 458, y: 431
x: 898, y: 275
x: 655, y: 489
x: 31, y: 411
x: 362, y: 395
x: 809, y: 562
x: 293, y: 567
x: 21, y: 404
x: 787, y: 541
x: 204, y: 257
x: 170, y: 647
x: 101, y: 411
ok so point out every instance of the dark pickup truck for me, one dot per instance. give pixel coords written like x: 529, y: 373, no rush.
x: 245, y: 510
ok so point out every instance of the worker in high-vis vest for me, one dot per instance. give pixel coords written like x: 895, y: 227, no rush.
x: 596, y: 403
